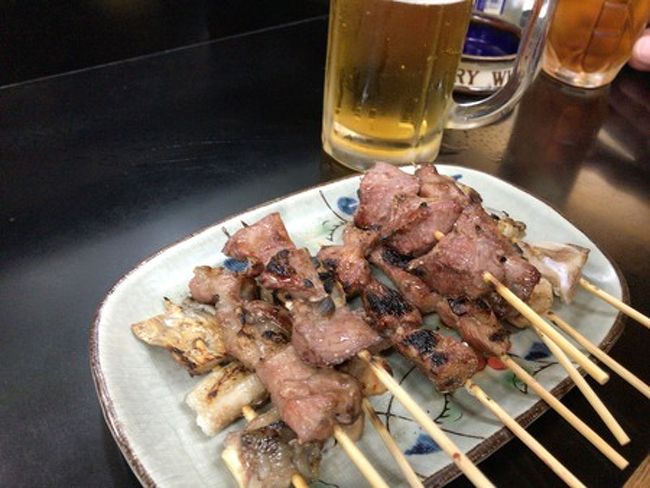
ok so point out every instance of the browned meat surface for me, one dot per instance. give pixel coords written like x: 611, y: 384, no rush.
x: 477, y: 325
x: 455, y: 266
x: 209, y: 283
x: 331, y: 337
x: 347, y: 261
x: 418, y: 238
x: 405, y: 210
x: 292, y: 270
x: 388, y: 310
x: 268, y: 455
x: 264, y: 330
x: 447, y: 362
x: 376, y: 192
x: 443, y: 188
x: 310, y: 400
x: 259, y: 242
x: 413, y: 288
x: 364, y: 374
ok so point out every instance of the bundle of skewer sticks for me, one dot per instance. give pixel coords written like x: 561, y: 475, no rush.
x: 563, y: 350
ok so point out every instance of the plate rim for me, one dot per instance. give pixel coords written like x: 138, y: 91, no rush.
x: 445, y: 475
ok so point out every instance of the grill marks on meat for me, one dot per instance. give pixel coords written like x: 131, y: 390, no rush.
x: 208, y: 284
x: 413, y: 288
x: 348, y: 261
x: 310, y: 400
x: 264, y: 330
x: 376, y: 192
x: 447, y: 362
x: 477, y: 325
x: 292, y: 270
x: 388, y: 310
x: 329, y: 339
x: 268, y: 454
x: 259, y: 243
x: 455, y: 266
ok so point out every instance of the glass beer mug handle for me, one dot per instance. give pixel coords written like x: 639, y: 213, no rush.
x: 478, y: 113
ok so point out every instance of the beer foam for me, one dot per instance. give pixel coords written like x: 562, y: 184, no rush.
x: 429, y: 2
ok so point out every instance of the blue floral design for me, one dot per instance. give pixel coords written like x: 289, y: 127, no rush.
x: 347, y: 205
x: 456, y: 177
x: 423, y: 445
x: 537, y: 351
x: 235, y: 265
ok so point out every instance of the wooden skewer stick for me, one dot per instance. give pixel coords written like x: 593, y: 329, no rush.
x: 460, y: 459
x: 359, y: 459
x: 614, y: 365
x: 587, y: 391
x: 532, y: 443
x: 296, y: 480
x: 391, y: 445
x: 567, y: 414
x: 615, y: 302
x: 542, y: 326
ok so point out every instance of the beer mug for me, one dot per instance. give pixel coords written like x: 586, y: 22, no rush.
x: 590, y: 40
x: 390, y: 72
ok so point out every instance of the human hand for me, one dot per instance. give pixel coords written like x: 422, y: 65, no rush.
x: 641, y: 52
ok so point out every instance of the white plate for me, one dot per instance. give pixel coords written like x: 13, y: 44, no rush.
x: 142, y: 390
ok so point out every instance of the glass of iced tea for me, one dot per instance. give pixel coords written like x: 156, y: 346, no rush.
x: 390, y: 72
x: 590, y: 40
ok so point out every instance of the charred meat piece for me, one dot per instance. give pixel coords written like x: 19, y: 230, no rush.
x: 347, y: 261
x: 477, y: 325
x: 442, y: 188
x: 208, y: 284
x: 330, y: 337
x: 259, y: 242
x: 444, y: 360
x: 455, y: 266
x: 310, y: 400
x: 392, y: 264
x: 376, y: 191
x: 268, y: 455
x: 292, y: 270
x: 219, y: 398
x: 418, y: 237
x: 388, y: 310
x: 561, y: 264
x: 189, y: 332
x: 264, y: 330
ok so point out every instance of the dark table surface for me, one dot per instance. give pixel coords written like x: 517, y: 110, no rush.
x: 102, y: 167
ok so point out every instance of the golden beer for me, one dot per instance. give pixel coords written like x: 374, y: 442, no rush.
x: 390, y: 71
x: 590, y: 40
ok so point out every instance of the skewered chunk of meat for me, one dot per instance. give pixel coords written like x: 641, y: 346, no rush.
x: 330, y: 337
x: 189, y: 332
x: 267, y: 454
x: 388, y: 310
x: 477, y: 325
x: 258, y: 243
x: 348, y: 260
x: 310, y: 400
x: 292, y: 270
x: 376, y: 192
x: 442, y: 188
x: 393, y: 265
x: 456, y: 265
x: 264, y: 330
x: 219, y: 398
x: 509, y: 228
x: 447, y: 362
x: 561, y: 264
x: 418, y: 237
x: 209, y: 283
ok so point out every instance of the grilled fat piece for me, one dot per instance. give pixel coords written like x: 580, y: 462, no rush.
x: 189, y: 332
